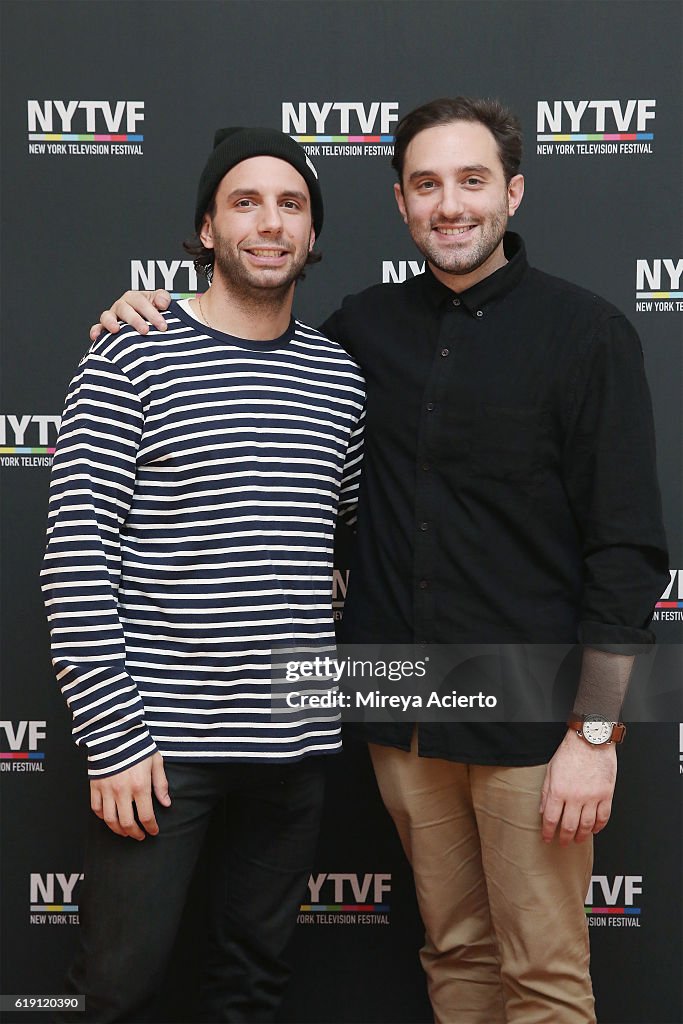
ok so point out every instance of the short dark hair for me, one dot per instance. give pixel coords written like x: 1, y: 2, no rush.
x: 194, y: 247
x: 203, y: 257
x: 500, y: 121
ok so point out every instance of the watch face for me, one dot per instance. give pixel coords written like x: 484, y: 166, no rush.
x: 597, y: 730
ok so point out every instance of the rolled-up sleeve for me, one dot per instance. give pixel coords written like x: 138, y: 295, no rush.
x: 610, y: 476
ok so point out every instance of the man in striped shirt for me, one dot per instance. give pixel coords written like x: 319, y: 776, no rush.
x: 198, y: 476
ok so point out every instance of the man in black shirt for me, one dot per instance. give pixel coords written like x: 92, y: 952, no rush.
x: 508, y: 497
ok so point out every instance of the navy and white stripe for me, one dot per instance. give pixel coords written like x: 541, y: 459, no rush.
x: 194, y: 494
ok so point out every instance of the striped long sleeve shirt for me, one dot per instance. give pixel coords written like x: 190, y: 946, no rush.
x: 193, y: 500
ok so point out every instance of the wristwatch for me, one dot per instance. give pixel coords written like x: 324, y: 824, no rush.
x: 597, y: 731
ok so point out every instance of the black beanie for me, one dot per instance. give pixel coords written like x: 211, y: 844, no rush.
x: 232, y: 145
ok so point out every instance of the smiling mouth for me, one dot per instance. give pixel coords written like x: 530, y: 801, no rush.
x: 460, y: 230
x: 267, y: 253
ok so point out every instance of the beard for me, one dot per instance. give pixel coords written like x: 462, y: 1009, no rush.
x: 262, y: 285
x: 462, y: 261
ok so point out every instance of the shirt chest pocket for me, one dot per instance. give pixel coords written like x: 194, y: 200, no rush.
x: 508, y: 443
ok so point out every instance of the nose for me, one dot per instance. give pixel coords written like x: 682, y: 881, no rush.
x: 270, y: 218
x: 451, y: 204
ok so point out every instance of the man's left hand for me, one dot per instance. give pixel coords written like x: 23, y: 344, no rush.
x: 578, y: 789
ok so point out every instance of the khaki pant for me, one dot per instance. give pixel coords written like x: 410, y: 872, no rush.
x: 506, y: 934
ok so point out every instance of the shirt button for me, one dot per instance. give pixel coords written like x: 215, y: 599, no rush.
x: 424, y: 526
x: 480, y: 312
x: 456, y: 302
x: 430, y: 407
x: 426, y: 466
x: 423, y: 584
x: 445, y: 352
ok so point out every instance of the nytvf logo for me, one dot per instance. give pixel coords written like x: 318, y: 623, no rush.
x: 396, y: 271
x: 349, y: 890
x: 337, y: 118
x: 25, y: 430
x: 340, y: 584
x: 20, y: 742
x: 85, y: 116
x: 674, y: 591
x: 621, y: 889
x: 610, y: 902
x: 20, y: 735
x: 658, y: 285
x: 594, y: 116
x: 54, y: 897
x: 178, y: 277
x: 670, y: 605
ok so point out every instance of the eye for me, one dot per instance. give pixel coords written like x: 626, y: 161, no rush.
x: 244, y: 203
x: 473, y: 181
x: 427, y: 185
x: 290, y: 204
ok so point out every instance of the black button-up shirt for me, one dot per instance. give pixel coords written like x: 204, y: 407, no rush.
x: 509, y: 489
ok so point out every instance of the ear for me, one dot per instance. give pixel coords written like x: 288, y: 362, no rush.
x: 515, y: 193
x: 400, y: 201
x: 311, y: 241
x: 206, y: 232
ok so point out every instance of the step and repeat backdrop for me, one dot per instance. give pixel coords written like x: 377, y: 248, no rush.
x: 108, y: 113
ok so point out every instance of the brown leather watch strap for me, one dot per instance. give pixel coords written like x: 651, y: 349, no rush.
x: 618, y: 732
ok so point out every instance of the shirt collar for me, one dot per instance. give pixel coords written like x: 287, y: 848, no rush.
x: 492, y: 287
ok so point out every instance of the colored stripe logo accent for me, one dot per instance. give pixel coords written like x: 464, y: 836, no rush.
x: 366, y: 908
x: 659, y: 295
x: 612, y: 910
x: 54, y: 907
x: 598, y: 137
x: 22, y: 756
x: 669, y: 604
x: 343, y: 138
x: 27, y: 451
x: 87, y: 137
x: 185, y: 295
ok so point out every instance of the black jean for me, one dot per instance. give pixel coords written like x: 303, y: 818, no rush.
x: 133, y: 893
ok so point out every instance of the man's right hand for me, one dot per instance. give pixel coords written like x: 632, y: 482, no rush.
x: 134, y: 308
x: 112, y: 798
